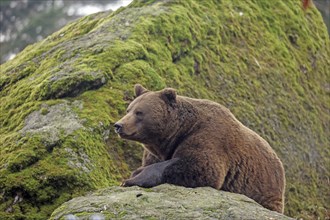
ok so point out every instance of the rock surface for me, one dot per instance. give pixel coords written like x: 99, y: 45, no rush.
x: 267, y: 61
x: 163, y: 202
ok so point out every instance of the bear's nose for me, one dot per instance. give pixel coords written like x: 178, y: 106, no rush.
x: 118, y: 127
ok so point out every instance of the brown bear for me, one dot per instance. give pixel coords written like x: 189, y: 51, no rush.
x: 196, y: 142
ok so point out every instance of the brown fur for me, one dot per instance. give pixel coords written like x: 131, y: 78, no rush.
x: 194, y: 142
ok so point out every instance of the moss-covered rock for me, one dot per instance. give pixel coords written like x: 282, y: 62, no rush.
x: 163, y: 202
x: 268, y: 61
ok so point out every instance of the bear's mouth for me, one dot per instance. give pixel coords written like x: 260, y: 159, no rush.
x: 126, y: 136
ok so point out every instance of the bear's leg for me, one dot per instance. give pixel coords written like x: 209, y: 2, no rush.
x: 136, y: 172
x: 274, y: 204
x: 194, y: 172
x: 151, y: 175
x: 148, y: 159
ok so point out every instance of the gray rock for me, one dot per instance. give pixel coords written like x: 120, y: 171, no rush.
x: 163, y: 202
x: 50, y: 122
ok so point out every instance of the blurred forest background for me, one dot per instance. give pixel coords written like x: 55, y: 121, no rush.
x: 23, y: 22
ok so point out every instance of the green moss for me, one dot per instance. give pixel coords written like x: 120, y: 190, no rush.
x: 44, y: 111
x: 268, y: 61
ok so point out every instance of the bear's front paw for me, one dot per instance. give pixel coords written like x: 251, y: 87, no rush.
x: 136, y: 182
x: 125, y: 184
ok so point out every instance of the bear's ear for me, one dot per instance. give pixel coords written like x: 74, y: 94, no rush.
x: 169, y: 96
x: 139, y: 90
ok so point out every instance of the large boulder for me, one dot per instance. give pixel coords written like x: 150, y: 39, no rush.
x: 267, y: 61
x: 163, y: 202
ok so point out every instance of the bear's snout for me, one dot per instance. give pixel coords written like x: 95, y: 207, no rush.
x: 118, y: 128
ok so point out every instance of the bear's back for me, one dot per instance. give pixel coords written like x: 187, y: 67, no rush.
x: 207, y: 108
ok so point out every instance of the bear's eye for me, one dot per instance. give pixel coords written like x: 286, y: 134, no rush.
x: 138, y: 113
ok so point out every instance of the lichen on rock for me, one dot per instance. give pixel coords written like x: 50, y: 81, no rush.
x: 52, y: 122
x: 164, y: 202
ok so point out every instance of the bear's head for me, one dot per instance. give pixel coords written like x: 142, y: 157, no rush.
x: 151, y: 116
